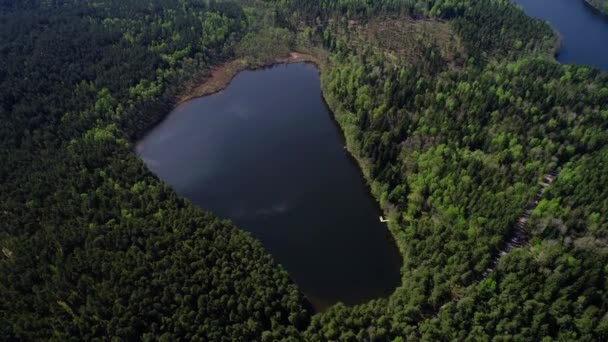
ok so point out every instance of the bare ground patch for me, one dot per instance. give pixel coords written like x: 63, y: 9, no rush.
x: 219, y: 77
x: 405, y: 39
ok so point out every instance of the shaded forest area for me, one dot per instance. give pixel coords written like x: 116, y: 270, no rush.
x: 454, y: 122
x: 93, y: 244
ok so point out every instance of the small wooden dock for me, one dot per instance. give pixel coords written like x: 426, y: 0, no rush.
x: 383, y: 220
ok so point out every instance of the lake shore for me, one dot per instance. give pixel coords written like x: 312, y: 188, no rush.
x: 598, y: 6
x: 219, y: 77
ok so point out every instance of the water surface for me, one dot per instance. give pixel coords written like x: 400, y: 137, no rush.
x: 584, y: 30
x: 266, y: 154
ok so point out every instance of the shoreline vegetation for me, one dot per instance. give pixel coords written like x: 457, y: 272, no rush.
x: 219, y: 77
x: 364, y: 165
x: 601, y: 6
x: 559, y: 41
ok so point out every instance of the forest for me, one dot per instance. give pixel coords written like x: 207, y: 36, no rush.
x: 454, y: 119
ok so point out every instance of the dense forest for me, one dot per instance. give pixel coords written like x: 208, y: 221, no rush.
x: 93, y: 245
x: 454, y: 110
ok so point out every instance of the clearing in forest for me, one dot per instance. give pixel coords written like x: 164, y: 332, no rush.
x: 406, y: 39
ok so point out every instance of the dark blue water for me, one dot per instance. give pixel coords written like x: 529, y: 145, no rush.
x: 584, y: 31
x: 266, y: 154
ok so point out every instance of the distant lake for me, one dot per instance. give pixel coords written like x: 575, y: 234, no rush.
x: 266, y: 153
x: 583, y: 29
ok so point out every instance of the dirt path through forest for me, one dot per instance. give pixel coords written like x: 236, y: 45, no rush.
x: 518, y: 237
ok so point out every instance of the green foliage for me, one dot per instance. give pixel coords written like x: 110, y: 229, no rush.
x: 452, y: 144
x: 574, y: 207
x: 455, y: 155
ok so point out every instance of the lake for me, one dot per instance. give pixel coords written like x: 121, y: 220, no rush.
x: 266, y: 153
x: 583, y: 29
